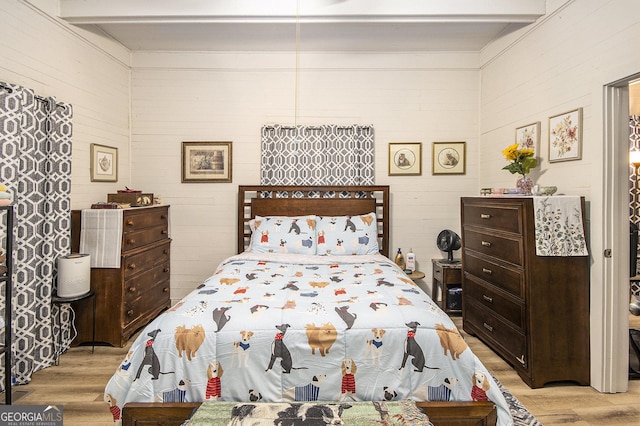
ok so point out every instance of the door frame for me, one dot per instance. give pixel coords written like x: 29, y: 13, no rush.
x: 610, y: 307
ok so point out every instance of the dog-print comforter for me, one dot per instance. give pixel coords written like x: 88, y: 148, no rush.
x: 281, y: 327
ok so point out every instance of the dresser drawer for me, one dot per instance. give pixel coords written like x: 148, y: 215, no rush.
x: 134, y: 239
x: 139, y: 285
x: 508, y: 340
x: 141, y: 218
x: 481, y: 294
x: 138, y: 263
x: 500, y: 247
x: 508, y: 279
x: 447, y: 275
x: 506, y: 218
x: 151, y: 301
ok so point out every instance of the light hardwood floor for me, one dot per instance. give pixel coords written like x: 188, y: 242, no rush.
x: 78, y: 384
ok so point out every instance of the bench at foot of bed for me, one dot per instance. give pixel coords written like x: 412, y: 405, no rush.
x: 440, y: 413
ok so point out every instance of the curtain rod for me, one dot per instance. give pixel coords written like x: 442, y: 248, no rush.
x: 45, y: 100
x: 39, y: 98
x: 7, y: 88
x: 317, y: 127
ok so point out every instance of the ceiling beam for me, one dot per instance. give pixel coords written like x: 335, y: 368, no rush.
x: 284, y: 11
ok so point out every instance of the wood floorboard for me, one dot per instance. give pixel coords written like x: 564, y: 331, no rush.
x: 78, y: 384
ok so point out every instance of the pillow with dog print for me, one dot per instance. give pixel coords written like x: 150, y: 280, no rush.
x: 347, y: 235
x: 283, y: 234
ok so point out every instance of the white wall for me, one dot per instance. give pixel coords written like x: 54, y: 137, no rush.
x: 558, y: 64
x: 89, y: 72
x: 230, y: 96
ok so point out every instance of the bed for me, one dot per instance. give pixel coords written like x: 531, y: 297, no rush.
x: 310, y: 309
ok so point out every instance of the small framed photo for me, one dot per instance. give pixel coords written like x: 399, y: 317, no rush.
x: 104, y: 163
x: 405, y: 158
x: 565, y: 136
x: 528, y: 137
x: 206, y: 162
x: 449, y: 158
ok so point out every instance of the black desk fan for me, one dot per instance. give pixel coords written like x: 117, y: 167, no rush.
x: 448, y: 241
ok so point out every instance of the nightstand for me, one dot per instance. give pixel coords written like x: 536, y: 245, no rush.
x: 448, y: 278
x: 59, y: 300
x: 416, y: 275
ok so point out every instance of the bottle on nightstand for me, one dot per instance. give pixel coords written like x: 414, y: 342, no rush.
x: 411, y: 261
x: 400, y: 260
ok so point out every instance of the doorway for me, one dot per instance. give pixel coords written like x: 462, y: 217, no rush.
x: 615, y: 313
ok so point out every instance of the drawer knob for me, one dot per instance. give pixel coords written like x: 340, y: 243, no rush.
x: 129, y: 222
x: 487, y: 271
x: 487, y: 298
x: 165, y: 290
x: 132, y: 289
x: 164, y: 232
x: 485, y: 216
x: 163, y: 216
x: 131, y: 266
x: 130, y: 312
x: 131, y: 241
x: 166, y: 269
x: 165, y: 251
x: 487, y: 326
x: 486, y: 244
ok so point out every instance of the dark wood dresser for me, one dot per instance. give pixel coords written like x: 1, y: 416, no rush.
x: 129, y: 297
x: 531, y: 310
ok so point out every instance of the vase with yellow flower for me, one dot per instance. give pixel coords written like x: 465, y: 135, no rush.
x: 522, y: 160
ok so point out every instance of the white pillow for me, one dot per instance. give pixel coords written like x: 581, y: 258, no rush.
x: 283, y: 234
x: 347, y: 235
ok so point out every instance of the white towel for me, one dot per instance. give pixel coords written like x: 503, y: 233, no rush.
x: 101, y: 236
x: 559, y: 230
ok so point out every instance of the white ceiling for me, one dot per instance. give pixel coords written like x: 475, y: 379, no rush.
x: 318, y: 25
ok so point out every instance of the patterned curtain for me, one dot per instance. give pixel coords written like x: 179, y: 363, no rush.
x: 317, y: 155
x: 35, y: 166
x: 634, y: 196
x: 634, y: 145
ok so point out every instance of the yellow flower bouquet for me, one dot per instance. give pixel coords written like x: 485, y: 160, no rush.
x: 521, y: 160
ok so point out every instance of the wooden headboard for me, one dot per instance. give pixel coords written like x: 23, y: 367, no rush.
x: 262, y: 200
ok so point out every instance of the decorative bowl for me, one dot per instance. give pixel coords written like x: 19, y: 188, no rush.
x: 548, y: 190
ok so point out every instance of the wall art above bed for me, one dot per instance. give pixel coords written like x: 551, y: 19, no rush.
x: 206, y: 162
x: 405, y: 159
x: 449, y: 158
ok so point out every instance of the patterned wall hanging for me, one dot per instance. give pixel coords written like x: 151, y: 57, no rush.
x: 35, y: 147
x: 317, y: 155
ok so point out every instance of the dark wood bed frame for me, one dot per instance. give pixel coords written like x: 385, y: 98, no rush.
x: 259, y: 200
x: 440, y: 413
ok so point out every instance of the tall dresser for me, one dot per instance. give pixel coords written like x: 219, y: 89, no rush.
x: 132, y: 295
x: 531, y: 310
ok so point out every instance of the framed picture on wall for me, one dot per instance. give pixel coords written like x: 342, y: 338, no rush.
x: 449, y: 158
x: 565, y: 136
x: 206, y: 162
x: 405, y: 158
x: 104, y: 163
x: 528, y: 137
